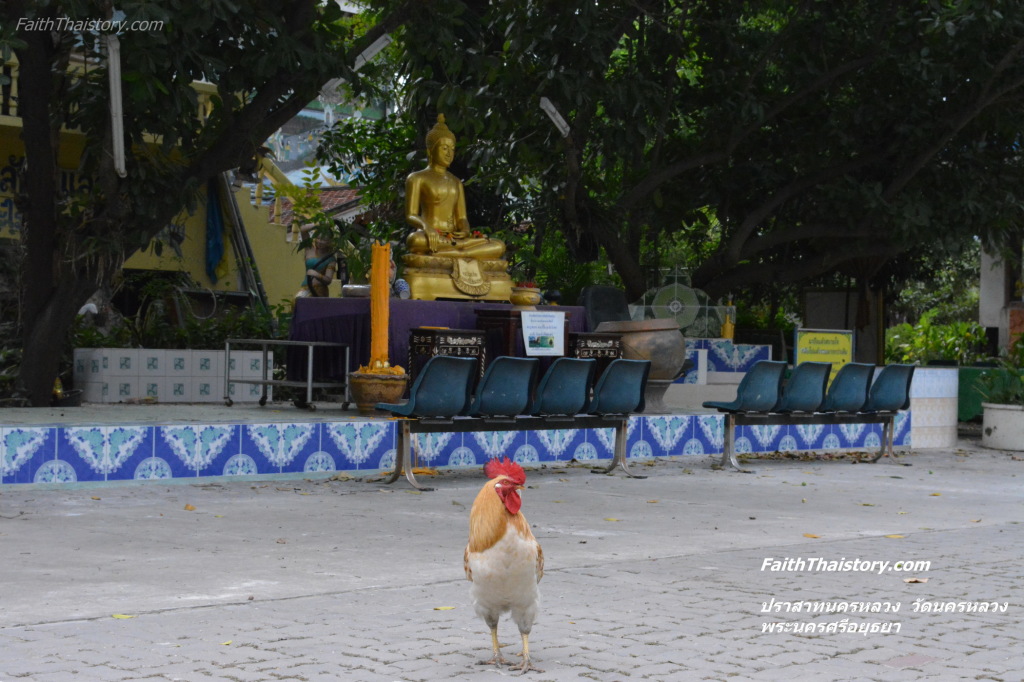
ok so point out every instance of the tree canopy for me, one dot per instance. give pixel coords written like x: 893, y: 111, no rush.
x: 267, y: 59
x: 785, y: 142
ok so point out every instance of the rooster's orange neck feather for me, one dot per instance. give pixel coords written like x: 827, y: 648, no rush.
x: 489, y: 520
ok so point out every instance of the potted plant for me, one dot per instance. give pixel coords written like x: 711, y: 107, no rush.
x: 1003, y: 410
x: 525, y: 293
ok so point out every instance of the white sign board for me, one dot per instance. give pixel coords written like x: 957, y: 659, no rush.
x: 543, y: 333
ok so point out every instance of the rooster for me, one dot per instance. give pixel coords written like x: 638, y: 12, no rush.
x: 503, y: 560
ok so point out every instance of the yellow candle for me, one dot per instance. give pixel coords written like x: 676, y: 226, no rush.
x: 380, y: 298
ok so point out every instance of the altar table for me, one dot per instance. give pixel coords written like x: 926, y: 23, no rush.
x: 347, y: 320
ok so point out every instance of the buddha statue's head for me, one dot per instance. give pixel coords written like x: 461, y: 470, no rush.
x: 440, y: 143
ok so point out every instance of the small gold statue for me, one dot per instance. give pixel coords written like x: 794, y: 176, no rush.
x: 446, y: 259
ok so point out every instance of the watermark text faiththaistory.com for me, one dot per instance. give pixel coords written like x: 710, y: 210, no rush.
x: 88, y: 25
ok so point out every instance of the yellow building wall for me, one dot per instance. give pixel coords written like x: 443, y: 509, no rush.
x: 280, y: 266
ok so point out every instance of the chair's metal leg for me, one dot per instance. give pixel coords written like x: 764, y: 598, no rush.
x: 728, y: 446
x: 403, y: 457
x: 401, y: 446
x: 888, y: 431
x: 619, y: 458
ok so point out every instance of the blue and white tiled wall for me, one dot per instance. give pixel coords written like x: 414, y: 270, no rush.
x: 66, y: 454
x: 726, y: 356
x: 721, y: 360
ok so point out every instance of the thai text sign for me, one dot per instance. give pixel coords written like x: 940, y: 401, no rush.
x: 824, y: 345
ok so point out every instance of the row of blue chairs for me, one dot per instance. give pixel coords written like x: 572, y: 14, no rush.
x: 442, y: 400
x: 856, y: 396
x: 764, y: 389
x: 444, y: 389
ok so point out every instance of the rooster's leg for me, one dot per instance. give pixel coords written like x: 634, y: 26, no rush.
x: 498, y: 658
x: 526, y: 665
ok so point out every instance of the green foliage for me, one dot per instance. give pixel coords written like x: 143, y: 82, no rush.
x: 153, y: 328
x: 963, y: 342
x: 202, y: 89
x: 553, y: 267
x: 374, y: 156
x: 762, y: 133
x: 944, y: 286
x: 1004, y: 385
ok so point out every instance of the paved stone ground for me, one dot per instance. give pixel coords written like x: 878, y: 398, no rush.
x: 656, y: 579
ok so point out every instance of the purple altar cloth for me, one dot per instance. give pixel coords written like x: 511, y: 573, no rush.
x: 347, y: 320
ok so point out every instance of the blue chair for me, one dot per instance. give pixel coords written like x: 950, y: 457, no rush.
x: 620, y: 389
x: 889, y: 393
x: 505, y: 387
x: 441, y: 389
x: 890, y: 390
x: 565, y: 387
x: 805, y: 389
x: 758, y: 391
x: 849, y: 390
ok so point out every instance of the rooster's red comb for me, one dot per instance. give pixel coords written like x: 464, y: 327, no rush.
x: 496, y: 467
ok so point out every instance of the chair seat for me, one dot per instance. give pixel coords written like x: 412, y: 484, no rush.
x: 758, y: 391
x: 805, y: 389
x: 565, y: 387
x: 620, y: 390
x: 890, y: 391
x: 849, y: 389
x: 505, y: 389
x: 441, y: 389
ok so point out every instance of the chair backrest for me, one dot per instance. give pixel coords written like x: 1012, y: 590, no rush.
x: 565, y: 387
x: 505, y: 387
x: 620, y: 389
x: 604, y: 303
x: 890, y: 390
x: 760, y: 387
x: 849, y: 390
x: 805, y: 390
x: 442, y: 388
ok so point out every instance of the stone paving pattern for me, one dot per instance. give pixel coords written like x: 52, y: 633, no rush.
x: 656, y: 579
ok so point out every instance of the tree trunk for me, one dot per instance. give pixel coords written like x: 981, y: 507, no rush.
x: 45, y: 337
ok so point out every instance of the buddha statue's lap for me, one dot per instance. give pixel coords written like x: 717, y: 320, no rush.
x: 446, y: 259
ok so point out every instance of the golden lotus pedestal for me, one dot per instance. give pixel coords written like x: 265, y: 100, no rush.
x: 435, y: 277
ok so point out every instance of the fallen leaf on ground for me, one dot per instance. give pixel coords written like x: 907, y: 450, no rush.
x: 936, y: 494
x: 915, y: 580
x: 652, y: 502
x: 121, y: 616
x: 895, y: 537
x: 226, y: 643
x: 611, y: 518
x: 975, y: 520
x: 424, y: 471
x: 443, y: 608
x: 189, y: 507
x: 811, y: 535
x: 96, y: 498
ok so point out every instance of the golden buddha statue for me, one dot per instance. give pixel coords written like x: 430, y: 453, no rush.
x: 446, y: 259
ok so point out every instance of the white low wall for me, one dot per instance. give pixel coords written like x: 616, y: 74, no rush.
x: 118, y: 375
